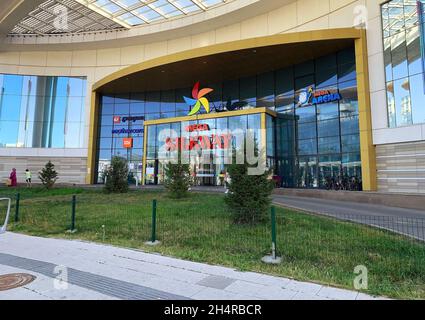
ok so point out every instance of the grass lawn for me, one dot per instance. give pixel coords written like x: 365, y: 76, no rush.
x: 200, y: 229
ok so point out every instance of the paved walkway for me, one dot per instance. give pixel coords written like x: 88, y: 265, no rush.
x: 104, y: 272
x: 409, y: 222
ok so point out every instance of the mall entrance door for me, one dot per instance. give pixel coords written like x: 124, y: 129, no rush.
x: 205, y: 175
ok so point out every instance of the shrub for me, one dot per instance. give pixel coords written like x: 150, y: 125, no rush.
x: 48, y: 175
x: 249, y: 196
x: 177, y: 179
x: 117, y: 176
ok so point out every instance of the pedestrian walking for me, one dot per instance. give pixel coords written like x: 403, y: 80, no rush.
x: 28, y: 176
x: 227, y: 181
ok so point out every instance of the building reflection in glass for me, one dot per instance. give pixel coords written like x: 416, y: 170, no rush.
x: 41, y: 111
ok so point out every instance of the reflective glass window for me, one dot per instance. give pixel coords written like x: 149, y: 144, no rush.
x: 152, y: 104
x: 328, y: 128
x: 248, y: 90
x: 350, y: 143
x: 265, y: 90
x: 329, y: 145
x: 168, y: 104
x: 44, y: 111
x: 307, y: 146
x: 306, y: 114
x: 404, y: 36
x: 231, y: 91
x: 307, y: 130
x: 326, y: 71
x: 417, y: 98
x: 402, y: 102
x: 327, y: 111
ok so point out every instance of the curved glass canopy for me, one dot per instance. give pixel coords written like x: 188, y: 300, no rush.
x: 136, y: 12
x: 73, y: 16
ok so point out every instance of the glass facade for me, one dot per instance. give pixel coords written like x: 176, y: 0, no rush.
x: 403, y: 38
x: 316, y: 142
x: 207, y: 160
x: 306, y: 143
x: 41, y: 111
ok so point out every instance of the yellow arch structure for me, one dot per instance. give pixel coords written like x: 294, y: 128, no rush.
x: 368, y: 157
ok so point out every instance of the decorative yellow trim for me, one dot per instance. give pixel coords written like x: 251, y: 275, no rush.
x: 91, y: 158
x: 145, y: 145
x: 264, y: 131
x: 367, y: 149
x: 286, y: 38
x: 211, y: 116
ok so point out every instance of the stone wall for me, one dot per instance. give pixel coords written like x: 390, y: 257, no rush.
x: 401, y: 167
x: 70, y: 170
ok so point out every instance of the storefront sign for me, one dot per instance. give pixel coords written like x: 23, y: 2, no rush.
x: 229, y: 106
x: 127, y: 143
x: 215, y: 141
x: 198, y: 127
x: 198, y: 99
x: 310, y: 96
x: 126, y: 131
x: 118, y: 119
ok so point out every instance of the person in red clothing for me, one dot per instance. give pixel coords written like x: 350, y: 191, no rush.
x: 13, y: 179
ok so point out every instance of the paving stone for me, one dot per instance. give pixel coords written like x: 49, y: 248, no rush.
x: 217, y: 282
x: 306, y: 287
x: 99, y: 271
x: 261, y: 291
x: 305, y: 296
x: 339, y: 294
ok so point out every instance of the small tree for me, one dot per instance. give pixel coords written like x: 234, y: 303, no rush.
x: 117, y: 176
x: 48, y: 175
x: 177, y: 179
x: 249, y: 194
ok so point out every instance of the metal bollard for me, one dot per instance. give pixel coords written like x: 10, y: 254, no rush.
x: 153, y: 241
x: 273, y: 258
x: 153, y: 237
x: 18, y: 198
x: 73, y: 206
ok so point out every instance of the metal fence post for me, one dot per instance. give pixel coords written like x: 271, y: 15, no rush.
x: 18, y: 198
x: 73, y: 205
x: 273, y: 217
x: 273, y: 258
x: 153, y: 237
x: 153, y: 241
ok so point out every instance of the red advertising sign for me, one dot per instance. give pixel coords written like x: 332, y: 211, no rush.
x: 197, y: 127
x: 127, y: 143
x: 215, y: 141
x: 117, y: 119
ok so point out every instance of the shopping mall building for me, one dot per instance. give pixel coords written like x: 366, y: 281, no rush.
x: 329, y: 88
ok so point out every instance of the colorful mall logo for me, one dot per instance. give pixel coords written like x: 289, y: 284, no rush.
x: 310, y: 96
x: 198, y: 99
